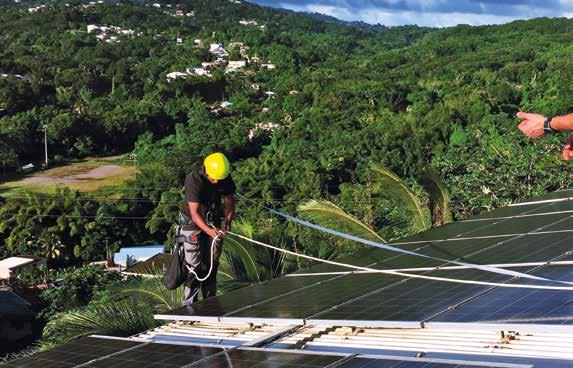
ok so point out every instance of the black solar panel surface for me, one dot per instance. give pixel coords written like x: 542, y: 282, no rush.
x: 267, y: 359
x: 385, y: 363
x: 520, y: 306
x: 157, y: 356
x: 73, y: 353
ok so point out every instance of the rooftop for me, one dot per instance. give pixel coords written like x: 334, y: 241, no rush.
x: 506, y: 302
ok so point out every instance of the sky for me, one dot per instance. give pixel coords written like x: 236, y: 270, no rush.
x: 429, y: 13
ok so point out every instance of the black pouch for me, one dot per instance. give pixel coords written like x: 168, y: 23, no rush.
x: 176, y: 274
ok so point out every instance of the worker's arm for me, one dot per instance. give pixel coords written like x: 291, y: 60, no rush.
x: 229, y: 211
x: 200, y: 221
x: 532, y: 124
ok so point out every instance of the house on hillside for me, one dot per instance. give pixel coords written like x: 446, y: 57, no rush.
x: 198, y: 71
x: 268, y: 66
x: 11, y: 267
x: 248, y: 22
x: 237, y: 64
x: 217, y: 49
x: 16, y: 318
x: 152, y: 266
x: 211, y: 64
x: 129, y: 256
x: 175, y: 75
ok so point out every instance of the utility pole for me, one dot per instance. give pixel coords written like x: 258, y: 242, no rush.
x: 46, y: 145
x: 133, y: 156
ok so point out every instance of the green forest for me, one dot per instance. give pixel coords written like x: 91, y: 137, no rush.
x: 323, y: 116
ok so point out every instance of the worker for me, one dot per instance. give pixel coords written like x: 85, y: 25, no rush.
x: 200, y: 223
x: 536, y: 126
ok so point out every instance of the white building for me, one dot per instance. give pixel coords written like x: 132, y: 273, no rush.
x: 211, y: 64
x: 12, y: 266
x: 199, y: 71
x: 246, y: 22
x: 92, y: 27
x: 217, y: 49
x: 174, y: 75
x: 237, y: 64
x: 36, y: 9
x: 268, y: 66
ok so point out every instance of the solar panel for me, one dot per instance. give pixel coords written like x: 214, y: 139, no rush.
x: 304, y: 303
x: 157, y: 355
x: 420, y: 363
x: 241, y: 358
x: 529, y: 306
x: 73, y: 353
x: 412, y: 300
x: 537, y: 232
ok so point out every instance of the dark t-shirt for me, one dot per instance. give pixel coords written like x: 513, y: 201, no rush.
x: 199, y: 189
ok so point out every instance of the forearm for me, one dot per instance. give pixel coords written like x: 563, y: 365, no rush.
x: 563, y: 123
x: 229, y: 208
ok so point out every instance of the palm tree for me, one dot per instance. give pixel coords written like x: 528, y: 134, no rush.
x: 244, y: 263
x: 115, y: 318
x: 391, y: 186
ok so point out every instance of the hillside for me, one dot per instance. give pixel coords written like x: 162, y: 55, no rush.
x: 314, y: 107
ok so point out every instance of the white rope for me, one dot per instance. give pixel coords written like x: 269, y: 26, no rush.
x: 445, y: 268
x: 396, y: 273
x: 215, y: 239
x: 404, y: 251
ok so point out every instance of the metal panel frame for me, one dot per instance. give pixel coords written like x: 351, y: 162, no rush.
x: 263, y: 321
x: 445, y: 361
x: 270, y: 336
x: 193, y: 318
x: 203, y: 345
x: 364, y: 323
x: 521, y: 327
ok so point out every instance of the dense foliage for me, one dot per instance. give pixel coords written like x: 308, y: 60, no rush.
x: 345, y: 100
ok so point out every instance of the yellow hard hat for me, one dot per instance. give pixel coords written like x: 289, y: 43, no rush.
x: 217, y: 166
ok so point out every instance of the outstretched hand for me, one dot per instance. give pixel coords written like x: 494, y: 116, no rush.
x: 568, y: 149
x: 531, y: 124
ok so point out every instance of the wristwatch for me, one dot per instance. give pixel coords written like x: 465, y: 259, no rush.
x: 547, y: 129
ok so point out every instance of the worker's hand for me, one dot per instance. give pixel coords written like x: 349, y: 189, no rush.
x: 568, y: 149
x: 531, y: 124
x: 214, y: 232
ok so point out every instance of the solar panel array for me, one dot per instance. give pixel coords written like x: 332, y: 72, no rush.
x: 535, y: 232
x: 118, y: 353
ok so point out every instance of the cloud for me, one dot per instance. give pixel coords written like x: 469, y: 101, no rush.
x: 432, y: 13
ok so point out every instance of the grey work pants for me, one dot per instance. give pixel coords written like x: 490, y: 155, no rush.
x: 197, y: 248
